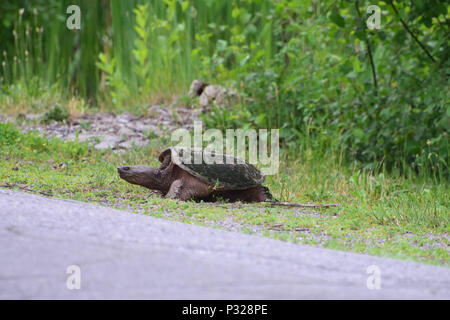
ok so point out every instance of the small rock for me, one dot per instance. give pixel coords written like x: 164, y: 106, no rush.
x: 133, y: 141
x: 218, y: 95
x: 108, y: 142
x: 144, y: 128
x: 125, y: 117
x: 196, y: 88
x: 159, y: 112
x: 124, y: 131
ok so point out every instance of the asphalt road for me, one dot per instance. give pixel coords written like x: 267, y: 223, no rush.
x: 121, y: 255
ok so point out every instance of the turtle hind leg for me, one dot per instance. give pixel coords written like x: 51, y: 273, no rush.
x: 267, y: 194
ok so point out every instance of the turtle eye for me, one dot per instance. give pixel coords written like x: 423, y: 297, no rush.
x: 126, y: 168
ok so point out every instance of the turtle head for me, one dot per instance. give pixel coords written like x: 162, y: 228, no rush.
x: 142, y: 175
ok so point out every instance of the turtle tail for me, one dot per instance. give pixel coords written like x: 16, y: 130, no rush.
x: 272, y: 201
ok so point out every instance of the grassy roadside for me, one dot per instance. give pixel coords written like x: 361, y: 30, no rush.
x: 380, y: 215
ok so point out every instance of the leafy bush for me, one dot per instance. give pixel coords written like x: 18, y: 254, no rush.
x: 333, y: 83
x: 58, y: 113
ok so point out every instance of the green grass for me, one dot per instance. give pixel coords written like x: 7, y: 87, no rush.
x: 381, y: 215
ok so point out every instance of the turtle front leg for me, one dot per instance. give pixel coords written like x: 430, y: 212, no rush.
x: 174, y: 190
x: 188, y: 187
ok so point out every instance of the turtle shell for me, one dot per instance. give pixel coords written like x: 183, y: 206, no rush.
x: 220, y: 171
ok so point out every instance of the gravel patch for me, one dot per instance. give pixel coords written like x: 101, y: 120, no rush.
x: 117, y: 132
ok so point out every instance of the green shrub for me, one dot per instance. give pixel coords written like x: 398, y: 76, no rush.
x: 319, y: 87
x: 58, y: 113
x: 8, y: 135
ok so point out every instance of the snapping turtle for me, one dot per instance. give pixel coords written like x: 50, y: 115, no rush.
x: 182, y: 176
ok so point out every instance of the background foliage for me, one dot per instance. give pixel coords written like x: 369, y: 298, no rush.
x: 311, y: 68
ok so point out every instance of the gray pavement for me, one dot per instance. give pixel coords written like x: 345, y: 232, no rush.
x: 123, y: 255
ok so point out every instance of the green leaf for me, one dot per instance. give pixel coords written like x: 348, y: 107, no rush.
x: 337, y: 19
